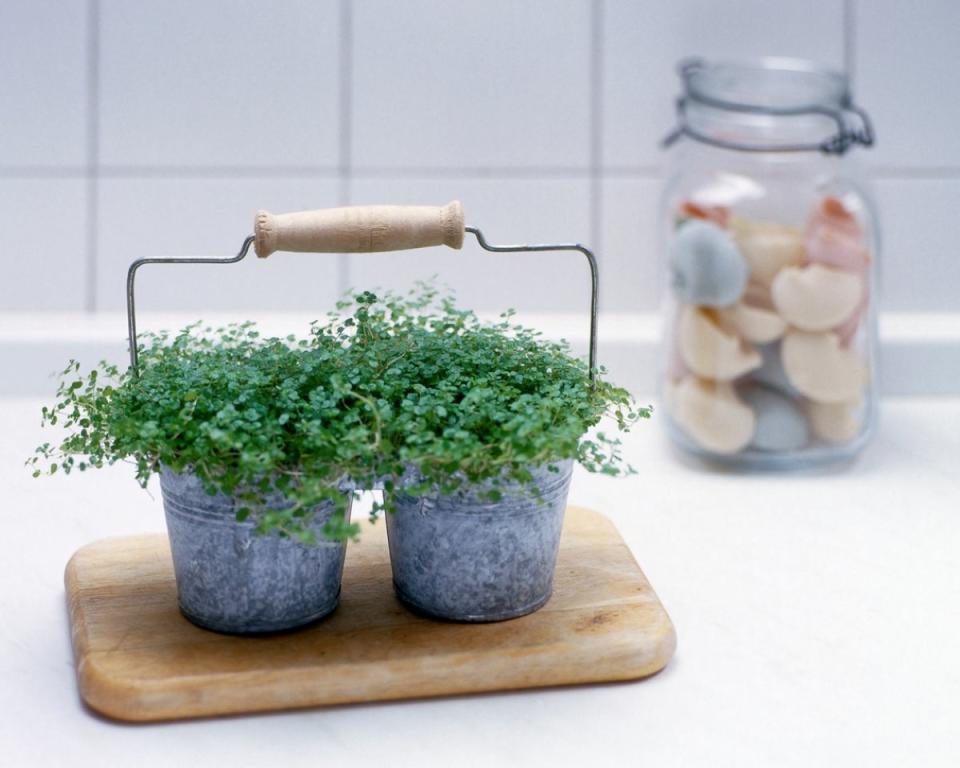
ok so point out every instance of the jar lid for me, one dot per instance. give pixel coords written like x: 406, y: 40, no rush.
x: 772, y: 88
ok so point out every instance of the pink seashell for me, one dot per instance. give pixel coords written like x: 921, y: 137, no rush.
x: 826, y: 247
x: 833, y: 237
x: 715, y: 213
x: 848, y: 329
x: 832, y: 210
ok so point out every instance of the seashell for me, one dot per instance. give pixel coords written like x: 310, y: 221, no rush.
x: 711, y: 351
x: 816, y: 298
x: 835, y: 422
x: 833, y: 249
x: 754, y: 323
x: 715, y: 213
x: 711, y: 414
x: 768, y: 247
x: 758, y: 295
x: 833, y: 237
x: 676, y: 368
x: 706, y: 266
x: 667, y: 392
x: 832, y: 210
x: 821, y: 369
x: 781, y: 423
x: 771, y: 370
x: 847, y: 330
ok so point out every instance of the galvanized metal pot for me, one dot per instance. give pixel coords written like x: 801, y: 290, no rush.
x: 230, y: 579
x: 466, y: 558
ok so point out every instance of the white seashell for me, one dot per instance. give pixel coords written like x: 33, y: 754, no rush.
x: 781, y: 424
x: 711, y: 414
x: 821, y: 369
x: 768, y: 247
x: 756, y: 324
x: 771, y: 371
x: 711, y: 351
x: 706, y: 266
x: 816, y: 298
x: 835, y: 422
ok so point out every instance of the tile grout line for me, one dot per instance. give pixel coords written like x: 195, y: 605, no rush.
x: 334, y: 171
x: 902, y: 173
x: 45, y: 172
x: 93, y: 153
x: 345, y: 143
x: 885, y: 172
x: 253, y: 171
x: 850, y: 41
x: 596, y: 128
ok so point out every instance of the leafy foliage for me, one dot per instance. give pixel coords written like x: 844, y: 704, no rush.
x: 386, y: 388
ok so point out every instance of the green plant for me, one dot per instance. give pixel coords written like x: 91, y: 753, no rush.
x: 463, y: 401
x: 246, y: 414
x: 384, y: 385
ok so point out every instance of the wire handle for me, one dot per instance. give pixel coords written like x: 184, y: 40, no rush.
x: 364, y: 229
x: 359, y: 229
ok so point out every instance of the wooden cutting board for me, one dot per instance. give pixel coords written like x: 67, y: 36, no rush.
x: 138, y: 659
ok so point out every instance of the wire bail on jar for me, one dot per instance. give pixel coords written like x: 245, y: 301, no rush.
x: 846, y: 134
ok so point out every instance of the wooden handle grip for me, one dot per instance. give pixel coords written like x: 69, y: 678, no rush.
x: 360, y: 229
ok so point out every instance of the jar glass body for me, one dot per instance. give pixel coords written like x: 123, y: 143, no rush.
x: 769, y: 348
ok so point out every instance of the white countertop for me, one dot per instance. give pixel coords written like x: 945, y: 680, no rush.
x: 817, y: 615
x: 34, y: 344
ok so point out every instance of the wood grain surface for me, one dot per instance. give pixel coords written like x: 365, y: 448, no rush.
x: 138, y: 659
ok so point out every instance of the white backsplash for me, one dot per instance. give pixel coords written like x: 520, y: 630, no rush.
x: 159, y: 127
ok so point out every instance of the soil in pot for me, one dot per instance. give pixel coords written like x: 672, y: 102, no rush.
x: 465, y: 557
x: 232, y: 579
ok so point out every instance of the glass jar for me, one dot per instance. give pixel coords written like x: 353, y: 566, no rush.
x: 769, y: 354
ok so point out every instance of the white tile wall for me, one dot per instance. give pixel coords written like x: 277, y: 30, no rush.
x: 921, y: 245
x: 507, y: 211
x: 630, y: 271
x: 209, y: 217
x: 43, y: 83
x: 475, y: 83
x: 219, y: 83
x: 43, y: 245
x: 643, y: 41
x: 160, y: 126
x: 906, y: 66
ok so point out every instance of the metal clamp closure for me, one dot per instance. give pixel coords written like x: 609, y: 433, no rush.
x: 847, y: 133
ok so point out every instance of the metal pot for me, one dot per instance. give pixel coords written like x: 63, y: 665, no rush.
x: 464, y: 557
x: 230, y: 579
